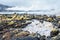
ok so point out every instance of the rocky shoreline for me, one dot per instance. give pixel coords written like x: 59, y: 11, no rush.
x: 32, y: 27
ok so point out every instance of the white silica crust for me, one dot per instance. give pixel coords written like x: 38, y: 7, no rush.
x: 42, y: 28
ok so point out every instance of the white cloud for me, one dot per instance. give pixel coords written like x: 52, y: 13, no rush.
x: 18, y: 8
x: 33, y: 4
x: 36, y: 5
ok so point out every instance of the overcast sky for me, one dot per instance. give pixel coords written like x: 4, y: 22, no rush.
x: 33, y: 4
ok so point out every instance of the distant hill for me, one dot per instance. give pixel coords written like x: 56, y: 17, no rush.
x: 3, y: 7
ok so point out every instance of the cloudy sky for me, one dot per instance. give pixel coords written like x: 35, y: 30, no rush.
x: 32, y: 4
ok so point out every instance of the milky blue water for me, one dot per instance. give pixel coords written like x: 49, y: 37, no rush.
x: 38, y: 13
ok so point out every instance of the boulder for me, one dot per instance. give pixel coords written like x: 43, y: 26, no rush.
x: 22, y: 34
x: 6, y: 36
x: 54, y: 33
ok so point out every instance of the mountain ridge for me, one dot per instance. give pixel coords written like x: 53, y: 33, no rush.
x: 3, y: 7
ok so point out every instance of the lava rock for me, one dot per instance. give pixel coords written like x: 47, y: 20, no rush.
x: 43, y: 37
x: 27, y: 38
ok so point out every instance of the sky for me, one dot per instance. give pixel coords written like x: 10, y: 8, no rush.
x: 32, y: 4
